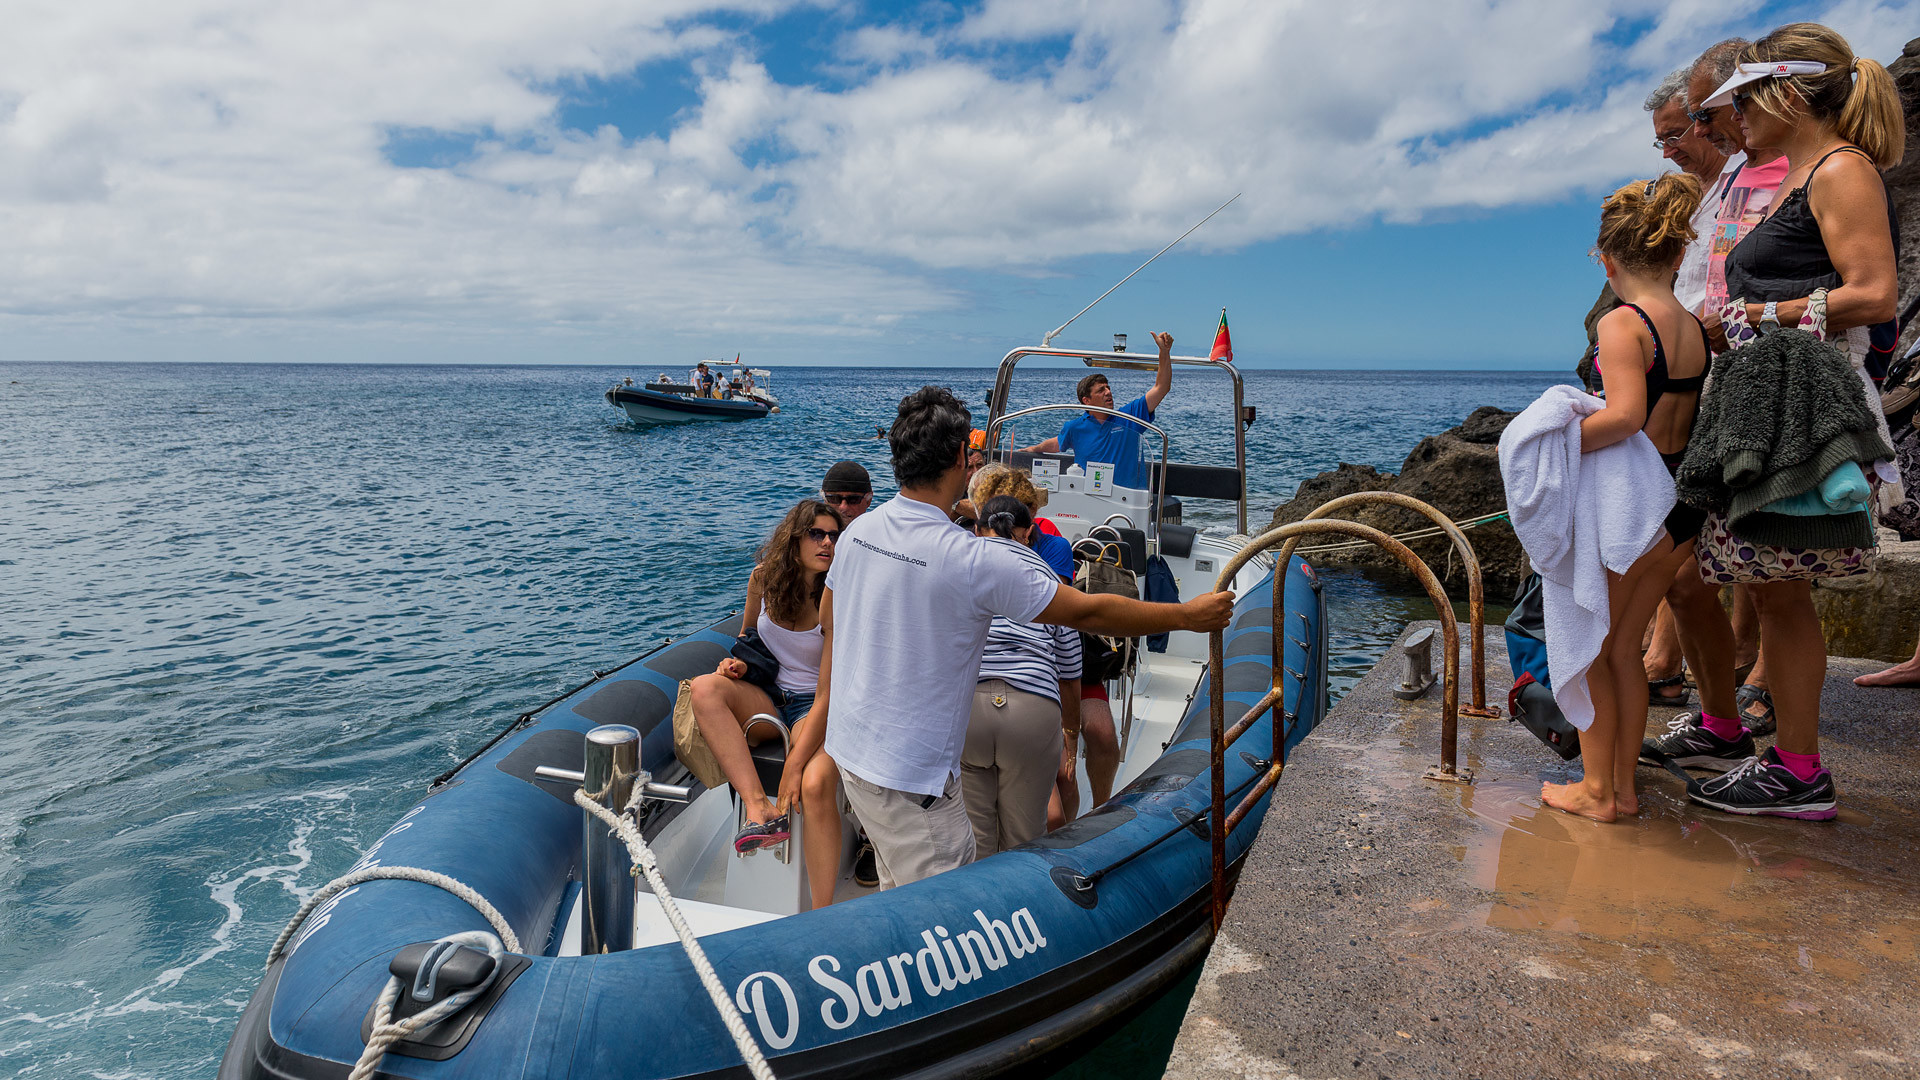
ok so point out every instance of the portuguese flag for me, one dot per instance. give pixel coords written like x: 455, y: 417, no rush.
x: 1222, y: 342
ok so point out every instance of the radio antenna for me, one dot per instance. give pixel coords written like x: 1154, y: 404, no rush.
x: 1048, y: 340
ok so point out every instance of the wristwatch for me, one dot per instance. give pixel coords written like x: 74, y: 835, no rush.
x: 1770, y: 313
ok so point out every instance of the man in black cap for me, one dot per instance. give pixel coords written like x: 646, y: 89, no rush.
x: 848, y: 489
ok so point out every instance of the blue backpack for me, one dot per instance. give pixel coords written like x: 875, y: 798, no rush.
x: 1531, y: 699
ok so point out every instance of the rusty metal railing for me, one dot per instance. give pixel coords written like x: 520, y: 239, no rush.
x: 1222, y: 821
x: 1476, y: 592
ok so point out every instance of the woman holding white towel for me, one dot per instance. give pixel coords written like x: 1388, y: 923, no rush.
x: 1653, y: 357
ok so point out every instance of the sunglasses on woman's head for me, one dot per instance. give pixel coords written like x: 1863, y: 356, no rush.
x: 823, y: 535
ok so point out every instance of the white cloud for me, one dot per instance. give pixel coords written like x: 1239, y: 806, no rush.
x: 225, y: 160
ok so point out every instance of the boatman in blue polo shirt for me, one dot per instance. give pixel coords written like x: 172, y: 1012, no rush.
x: 1092, y: 437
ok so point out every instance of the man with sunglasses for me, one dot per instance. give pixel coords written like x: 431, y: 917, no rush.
x: 1756, y: 180
x: 847, y: 488
x: 1696, y: 155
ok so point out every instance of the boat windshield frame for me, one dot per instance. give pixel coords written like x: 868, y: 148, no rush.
x: 1003, y: 382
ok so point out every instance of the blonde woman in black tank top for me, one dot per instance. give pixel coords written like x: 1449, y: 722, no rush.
x: 1800, y: 90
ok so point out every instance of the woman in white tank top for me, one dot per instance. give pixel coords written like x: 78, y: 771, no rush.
x: 783, y: 603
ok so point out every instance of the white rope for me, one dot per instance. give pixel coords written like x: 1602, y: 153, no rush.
x: 1417, y: 534
x: 395, y: 873
x: 386, y: 1032
x: 644, y: 861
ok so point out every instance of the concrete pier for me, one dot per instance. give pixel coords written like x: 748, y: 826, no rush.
x: 1391, y: 926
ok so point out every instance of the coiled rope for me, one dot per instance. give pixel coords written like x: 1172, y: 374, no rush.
x: 644, y: 861
x: 386, y: 1031
x: 395, y: 873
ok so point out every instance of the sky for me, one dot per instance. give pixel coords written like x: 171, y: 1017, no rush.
x: 827, y: 181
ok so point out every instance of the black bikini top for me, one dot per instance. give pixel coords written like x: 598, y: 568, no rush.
x: 1659, y: 382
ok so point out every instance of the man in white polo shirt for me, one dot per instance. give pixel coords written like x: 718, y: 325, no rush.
x: 905, y: 612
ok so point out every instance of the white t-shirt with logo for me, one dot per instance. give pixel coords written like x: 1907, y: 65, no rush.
x: 913, y: 597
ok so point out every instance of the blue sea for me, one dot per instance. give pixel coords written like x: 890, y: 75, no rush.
x: 247, y: 611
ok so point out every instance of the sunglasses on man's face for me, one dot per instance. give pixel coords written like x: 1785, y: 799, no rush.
x: 1701, y: 116
x: 823, y: 536
x: 849, y: 500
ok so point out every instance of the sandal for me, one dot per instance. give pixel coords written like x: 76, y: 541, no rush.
x: 1655, y: 697
x: 752, y: 837
x: 1760, y: 723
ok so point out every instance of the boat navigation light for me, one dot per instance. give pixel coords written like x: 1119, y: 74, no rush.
x: 1119, y: 343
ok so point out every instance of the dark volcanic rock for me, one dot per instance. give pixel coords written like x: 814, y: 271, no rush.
x: 1484, y: 426
x: 1344, y: 480
x: 1903, y: 181
x: 1458, y: 473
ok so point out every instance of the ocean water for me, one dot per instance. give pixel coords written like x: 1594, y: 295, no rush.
x: 247, y: 611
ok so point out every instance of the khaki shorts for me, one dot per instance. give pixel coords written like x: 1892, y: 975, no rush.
x: 910, y: 840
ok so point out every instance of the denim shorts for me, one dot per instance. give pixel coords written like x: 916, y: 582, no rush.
x: 794, y: 706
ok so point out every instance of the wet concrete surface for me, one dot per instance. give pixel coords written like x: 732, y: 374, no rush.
x: 1386, y: 925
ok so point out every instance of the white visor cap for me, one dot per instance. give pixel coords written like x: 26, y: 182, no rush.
x: 1753, y: 73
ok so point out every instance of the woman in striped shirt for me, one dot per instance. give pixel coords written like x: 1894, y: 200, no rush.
x: 1027, y: 698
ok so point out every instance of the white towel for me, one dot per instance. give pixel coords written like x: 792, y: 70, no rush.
x: 1579, y: 516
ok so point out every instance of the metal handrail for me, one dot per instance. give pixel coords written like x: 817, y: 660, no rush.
x: 1157, y: 483
x: 1476, y: 592
x: 1003, y: 380
x: 1224, y: 736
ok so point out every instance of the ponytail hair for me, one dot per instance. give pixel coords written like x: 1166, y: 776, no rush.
x: 1871, y: 118
x: 1648, y: 224
x: 1856, y: 95
x: 1003, y: 514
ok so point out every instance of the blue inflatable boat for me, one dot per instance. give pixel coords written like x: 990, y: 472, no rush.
x: 1012, y: 965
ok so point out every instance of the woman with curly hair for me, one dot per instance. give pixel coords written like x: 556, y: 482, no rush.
x: 783, y: 603
x: 1095, y: 734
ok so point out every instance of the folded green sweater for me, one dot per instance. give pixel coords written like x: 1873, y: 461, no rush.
x: 1778, y: 416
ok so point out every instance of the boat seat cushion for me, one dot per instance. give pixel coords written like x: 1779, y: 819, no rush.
x: 770, y: 761
x: 1133, y: 546
x: 1205, y: 481
x: 1176, y: 541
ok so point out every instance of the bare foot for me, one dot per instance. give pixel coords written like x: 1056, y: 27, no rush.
x: 1904, y: 674
x: 768, y: 811
x: 1626, y: 802
x: 1575, y: 799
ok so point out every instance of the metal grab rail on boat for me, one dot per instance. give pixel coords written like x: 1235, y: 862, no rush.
x: 1224, y: 736
x: 1003, y: 382
x: 1476, y: 593
x: 1156, y: 483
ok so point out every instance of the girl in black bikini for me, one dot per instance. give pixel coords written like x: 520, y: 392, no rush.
x: 1644, y: 231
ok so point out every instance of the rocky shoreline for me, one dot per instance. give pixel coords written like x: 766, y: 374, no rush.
x: 1458, y: 472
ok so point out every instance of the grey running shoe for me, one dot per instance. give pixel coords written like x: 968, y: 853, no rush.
x: 1691, y: 746
x: 1761, y: 785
